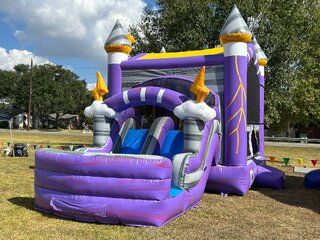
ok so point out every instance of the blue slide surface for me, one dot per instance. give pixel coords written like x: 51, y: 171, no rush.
x: 134, y: 141
x: 173, y: 144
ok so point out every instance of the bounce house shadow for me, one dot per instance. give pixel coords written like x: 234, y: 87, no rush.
x: 294, y: 194
x: 49, y: 130
x: 27, y: 203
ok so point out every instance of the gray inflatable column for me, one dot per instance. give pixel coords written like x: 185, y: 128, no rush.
x: 192, y: 133
x: 101, y: 130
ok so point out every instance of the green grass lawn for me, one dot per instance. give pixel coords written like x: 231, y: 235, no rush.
x: 294, y: 153
x: 291, y: 213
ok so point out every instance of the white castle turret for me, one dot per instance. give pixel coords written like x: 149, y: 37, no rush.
x: 118, y: 46
x: 234, y: 36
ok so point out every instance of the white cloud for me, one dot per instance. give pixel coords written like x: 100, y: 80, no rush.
x: 91, y: 86
x: 75, y: 28
x: 9, y: 59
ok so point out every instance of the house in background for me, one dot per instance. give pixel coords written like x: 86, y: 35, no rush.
x: 66, y: 121
x: 20, y: 121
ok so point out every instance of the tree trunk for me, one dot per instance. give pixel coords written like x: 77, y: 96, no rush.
x: 57, y: 120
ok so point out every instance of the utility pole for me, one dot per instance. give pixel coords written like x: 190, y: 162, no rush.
x: 30, y: 96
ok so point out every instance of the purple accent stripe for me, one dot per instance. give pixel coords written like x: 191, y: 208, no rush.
x: 199, y: 61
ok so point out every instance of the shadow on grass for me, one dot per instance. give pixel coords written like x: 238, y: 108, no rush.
x: 27, y: 203
x: 59, y: 144
x: 49, y: 129
x: 294, y: 194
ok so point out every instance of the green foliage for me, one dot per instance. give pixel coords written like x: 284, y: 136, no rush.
x: 55, y: 90
x: 288, y: 32
x: 7, y: 86
x: 306, y: 99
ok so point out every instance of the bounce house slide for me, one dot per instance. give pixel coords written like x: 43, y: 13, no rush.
x: 156, y: 175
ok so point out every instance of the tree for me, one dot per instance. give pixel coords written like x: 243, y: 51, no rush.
x: 306, y: 99
x: 58, y: 90
x: 55, y: 90
x: 288, y: 32
x: 7, y: 85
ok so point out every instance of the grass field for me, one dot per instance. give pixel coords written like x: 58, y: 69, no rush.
x: 291, y: 213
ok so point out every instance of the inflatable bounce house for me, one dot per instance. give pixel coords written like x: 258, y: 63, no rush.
x: 312, y: 179
x: 173, y: 125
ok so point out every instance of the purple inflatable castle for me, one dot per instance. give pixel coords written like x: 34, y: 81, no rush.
x: 174, y: 125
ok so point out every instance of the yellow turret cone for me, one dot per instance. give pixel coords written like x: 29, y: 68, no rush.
x: 95, y: 94
x: 101, y: 85
x: 199, y: 88
x: 100, y: 89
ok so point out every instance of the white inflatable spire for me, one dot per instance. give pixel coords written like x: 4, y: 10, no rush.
x: 163, y: 50
x: 235, y: 28
x: 117, y: 40
x: 261, y: 56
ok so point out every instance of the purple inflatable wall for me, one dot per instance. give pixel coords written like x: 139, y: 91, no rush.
x: 113, y: 188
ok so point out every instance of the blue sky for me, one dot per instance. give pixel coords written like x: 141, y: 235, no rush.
x: 70, y: 33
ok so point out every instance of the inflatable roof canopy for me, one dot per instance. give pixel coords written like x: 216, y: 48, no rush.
x: 205, y: 132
